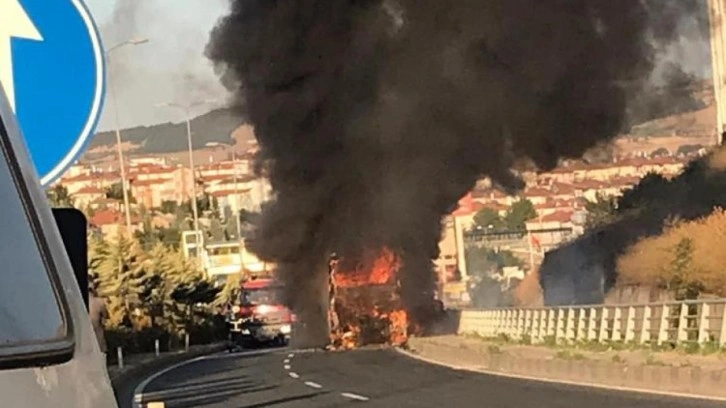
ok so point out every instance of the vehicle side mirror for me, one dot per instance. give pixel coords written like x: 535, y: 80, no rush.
x: 73, y: 229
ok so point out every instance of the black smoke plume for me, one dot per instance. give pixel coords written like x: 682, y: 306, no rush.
x: 376, y: 116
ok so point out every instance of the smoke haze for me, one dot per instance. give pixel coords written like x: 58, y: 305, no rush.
x: 170, y: 67
x: 376, y: 116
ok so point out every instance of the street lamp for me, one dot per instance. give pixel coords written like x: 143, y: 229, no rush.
x: 117, y: 125
x: 187, y: 113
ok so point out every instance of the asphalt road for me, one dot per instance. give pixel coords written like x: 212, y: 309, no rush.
x: 373, y: 378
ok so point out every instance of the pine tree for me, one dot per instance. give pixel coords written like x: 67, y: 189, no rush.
x: 120, y: 274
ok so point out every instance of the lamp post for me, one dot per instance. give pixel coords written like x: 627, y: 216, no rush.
x: 117, y: 125
x: 187, y: 113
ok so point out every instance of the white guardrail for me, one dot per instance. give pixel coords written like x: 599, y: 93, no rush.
x: 702, y: 321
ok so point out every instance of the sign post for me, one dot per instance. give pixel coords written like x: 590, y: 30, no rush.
x: 52, y: 69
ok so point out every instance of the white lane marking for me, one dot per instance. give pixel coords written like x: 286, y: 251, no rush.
x: 354, y: 396
x: 294, y: 375
x: 138, y: 397
x: 286, y: 361
x: 566, y: 382
x: 287, y: 366
x: 290, y: 355
x: 312, y: 384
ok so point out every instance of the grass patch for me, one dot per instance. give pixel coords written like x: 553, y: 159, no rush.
x: 617, y: 359
x: 569, y: 355
x: 493, y: 349
x: 651, y: 360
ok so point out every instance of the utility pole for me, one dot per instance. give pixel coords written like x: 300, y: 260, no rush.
x: 237, y: 210
x: 111, y: 91
x: 194, y: 174
x: 188, y: 118
x: 716, y: 13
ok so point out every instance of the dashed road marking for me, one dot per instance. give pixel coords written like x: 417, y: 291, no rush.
x: 287, y: 366
x: 313, y: 385
x: 294, y: 375
x: 354, y: 396
x: 286, y: 361
x: 290, y: 355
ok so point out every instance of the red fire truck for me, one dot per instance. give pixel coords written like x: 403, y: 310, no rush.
x: 259, y: 315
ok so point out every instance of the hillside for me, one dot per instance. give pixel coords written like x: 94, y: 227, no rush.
x: 663, y: 114
x: 215, y: 126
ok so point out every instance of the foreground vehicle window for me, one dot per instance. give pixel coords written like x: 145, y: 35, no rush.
x: 31, y: 319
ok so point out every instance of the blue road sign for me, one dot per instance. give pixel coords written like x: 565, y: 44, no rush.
x: 52, y: 69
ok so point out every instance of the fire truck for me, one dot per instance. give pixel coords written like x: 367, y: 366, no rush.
x: 259, y: 315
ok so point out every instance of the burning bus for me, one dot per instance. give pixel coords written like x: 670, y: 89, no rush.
x: 365, y: 303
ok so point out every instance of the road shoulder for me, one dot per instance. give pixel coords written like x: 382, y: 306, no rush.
x: 479, y: 356
x: 138, y: 369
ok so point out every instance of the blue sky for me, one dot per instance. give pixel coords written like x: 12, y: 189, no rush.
x: 170, y: 67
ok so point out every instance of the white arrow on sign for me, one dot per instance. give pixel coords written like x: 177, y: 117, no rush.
x: 14, y: 22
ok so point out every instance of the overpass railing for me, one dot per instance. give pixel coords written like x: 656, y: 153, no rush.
x: 702, y: 321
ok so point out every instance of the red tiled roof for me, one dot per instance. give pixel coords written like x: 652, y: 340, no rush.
x: 225, y: 165
x: 537, y: 192
x: 558, y: 216
x: 148, y: 183
x: 78, y: 178
x: 478, y: 206
x: 224, y: 193
x: 588, y: 184
x: 90, y: 190
x: 562, y: 189
x: 108, y: 217
x: 225, y: 179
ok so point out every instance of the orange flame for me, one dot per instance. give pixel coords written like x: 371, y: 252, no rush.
x: 368, y: 310
x: 399, y: 327
x: 382, y: 270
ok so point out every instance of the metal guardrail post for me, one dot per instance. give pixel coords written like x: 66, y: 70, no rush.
x: 645, y: 325
x: 663, y: 326
x: 630, y: 325
x: 617, y: 332
x: 722, y: 332
x: 682, y: 332
x: 704, y: 323
x: 120, y: 357
x: 603, y: 332
x: 679, y: 322
x: 592, y: 331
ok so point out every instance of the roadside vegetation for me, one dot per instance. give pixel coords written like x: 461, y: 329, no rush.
x: 154, y: 295
x: 571, y: 348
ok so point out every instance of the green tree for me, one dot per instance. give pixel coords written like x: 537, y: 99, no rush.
x: 59, y: 197
x: 680, y: 273
x: 98, y: 252
x: 169, y: 207
x: 650, y: 188
x: 519, y: 213
x: 487, y: 217
x: 119, y: 275
x: 115, y: 192
x: 602, y: 211
x: 482, y: 261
